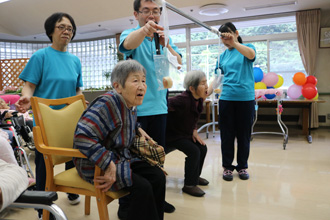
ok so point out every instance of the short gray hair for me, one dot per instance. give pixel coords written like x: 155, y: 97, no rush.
x: 193, y: 78
x: 123, y: 69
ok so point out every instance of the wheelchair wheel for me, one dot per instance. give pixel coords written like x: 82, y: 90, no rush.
x: 22, y: 160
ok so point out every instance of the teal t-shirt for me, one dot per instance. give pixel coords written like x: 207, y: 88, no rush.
x: 56, y: 74
x: 154, y: 102
x: 238, y: 82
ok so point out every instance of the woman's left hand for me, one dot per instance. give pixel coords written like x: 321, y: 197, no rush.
x: 144, y: 134
x: 105, y: 182
x: 196, y: 137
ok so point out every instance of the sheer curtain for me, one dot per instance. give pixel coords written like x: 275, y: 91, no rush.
x: 308, y: 27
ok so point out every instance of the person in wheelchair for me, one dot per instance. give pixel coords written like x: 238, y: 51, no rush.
x: 21, y: 123
x: 13, y: 178
x: 14, y: 185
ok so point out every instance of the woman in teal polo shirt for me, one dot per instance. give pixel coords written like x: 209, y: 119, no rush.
x: 236, y: 104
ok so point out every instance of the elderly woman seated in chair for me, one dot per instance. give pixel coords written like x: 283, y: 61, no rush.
x: 181, y: 131
x: 105, y: 133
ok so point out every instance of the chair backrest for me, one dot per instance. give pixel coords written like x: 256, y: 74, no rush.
x: 58, y: 125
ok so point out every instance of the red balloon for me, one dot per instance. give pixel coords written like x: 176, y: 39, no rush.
x: 312, y: 80
x: 309, y: 91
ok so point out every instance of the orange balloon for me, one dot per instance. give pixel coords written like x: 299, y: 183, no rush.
x: 299, y: 78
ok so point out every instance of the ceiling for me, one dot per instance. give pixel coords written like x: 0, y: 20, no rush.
x: 22, y: 20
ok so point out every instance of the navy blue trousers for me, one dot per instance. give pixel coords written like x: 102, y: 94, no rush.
x: 235, y: 121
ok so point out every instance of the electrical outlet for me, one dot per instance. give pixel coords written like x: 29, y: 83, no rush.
x: 328, y: 116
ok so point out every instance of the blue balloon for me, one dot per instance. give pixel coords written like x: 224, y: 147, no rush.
x: 270, y: 96
x: 258, y: 74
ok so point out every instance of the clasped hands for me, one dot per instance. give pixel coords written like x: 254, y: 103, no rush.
x: 107, y: 180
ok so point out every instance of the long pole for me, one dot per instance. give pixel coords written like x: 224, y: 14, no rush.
x: 178, y: 11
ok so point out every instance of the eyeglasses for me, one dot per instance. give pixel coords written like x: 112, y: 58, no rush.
x: 63, y: 28
x: 147, y: 12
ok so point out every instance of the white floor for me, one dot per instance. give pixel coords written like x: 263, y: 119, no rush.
x: 291, y: 184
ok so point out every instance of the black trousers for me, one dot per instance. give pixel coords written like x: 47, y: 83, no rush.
x: 155, y: 127
x: 147, y: 195
x: 195, y: 153
x: 235, y: 121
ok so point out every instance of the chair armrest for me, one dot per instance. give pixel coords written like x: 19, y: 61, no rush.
x: 37, y: 197
x: 60, y: 151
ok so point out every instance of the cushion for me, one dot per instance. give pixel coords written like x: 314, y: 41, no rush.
x: 71, y: 178
x: 10, y: 99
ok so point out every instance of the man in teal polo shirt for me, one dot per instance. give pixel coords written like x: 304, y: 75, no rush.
x: 138, y: 43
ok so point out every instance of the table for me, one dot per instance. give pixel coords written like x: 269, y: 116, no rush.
x: 306, y: 106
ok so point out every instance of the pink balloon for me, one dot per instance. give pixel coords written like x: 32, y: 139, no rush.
x: 270, y: 79
x: 294, y: 91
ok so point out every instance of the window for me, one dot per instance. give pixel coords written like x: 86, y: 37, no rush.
x: 178, y: 35
x: 261, y: 50
x: 202, y: 34
x: 274, y: 38
x: 285, y: 60
x: 204, y: 58
x: 97, y: 57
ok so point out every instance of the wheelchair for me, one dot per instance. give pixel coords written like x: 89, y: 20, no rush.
x: 22, y: 137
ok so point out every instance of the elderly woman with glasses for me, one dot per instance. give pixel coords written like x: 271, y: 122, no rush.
x: 52, y: 73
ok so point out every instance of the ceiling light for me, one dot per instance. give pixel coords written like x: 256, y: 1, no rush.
x: 213, y: 9
x: 270, y: 5
x: 2, y: 1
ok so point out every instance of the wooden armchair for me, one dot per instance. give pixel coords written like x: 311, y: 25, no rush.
x: 53, y: 136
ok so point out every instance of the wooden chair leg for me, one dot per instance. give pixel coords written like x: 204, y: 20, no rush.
x: 45, y: 214
x: 102, y: 208
x: 87, y: 205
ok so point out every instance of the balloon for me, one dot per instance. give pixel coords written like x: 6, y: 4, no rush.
x: 280, y: 82
x: 316, y: 97
x: 264, y: 74
x: 258, y: 74
x: 260, y: 85
x: 312, y: 80
x: 294, y: 91
x: 270, y: 96
x: 271, y: 79
x: 299, y: 79
x: 309, y: 91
